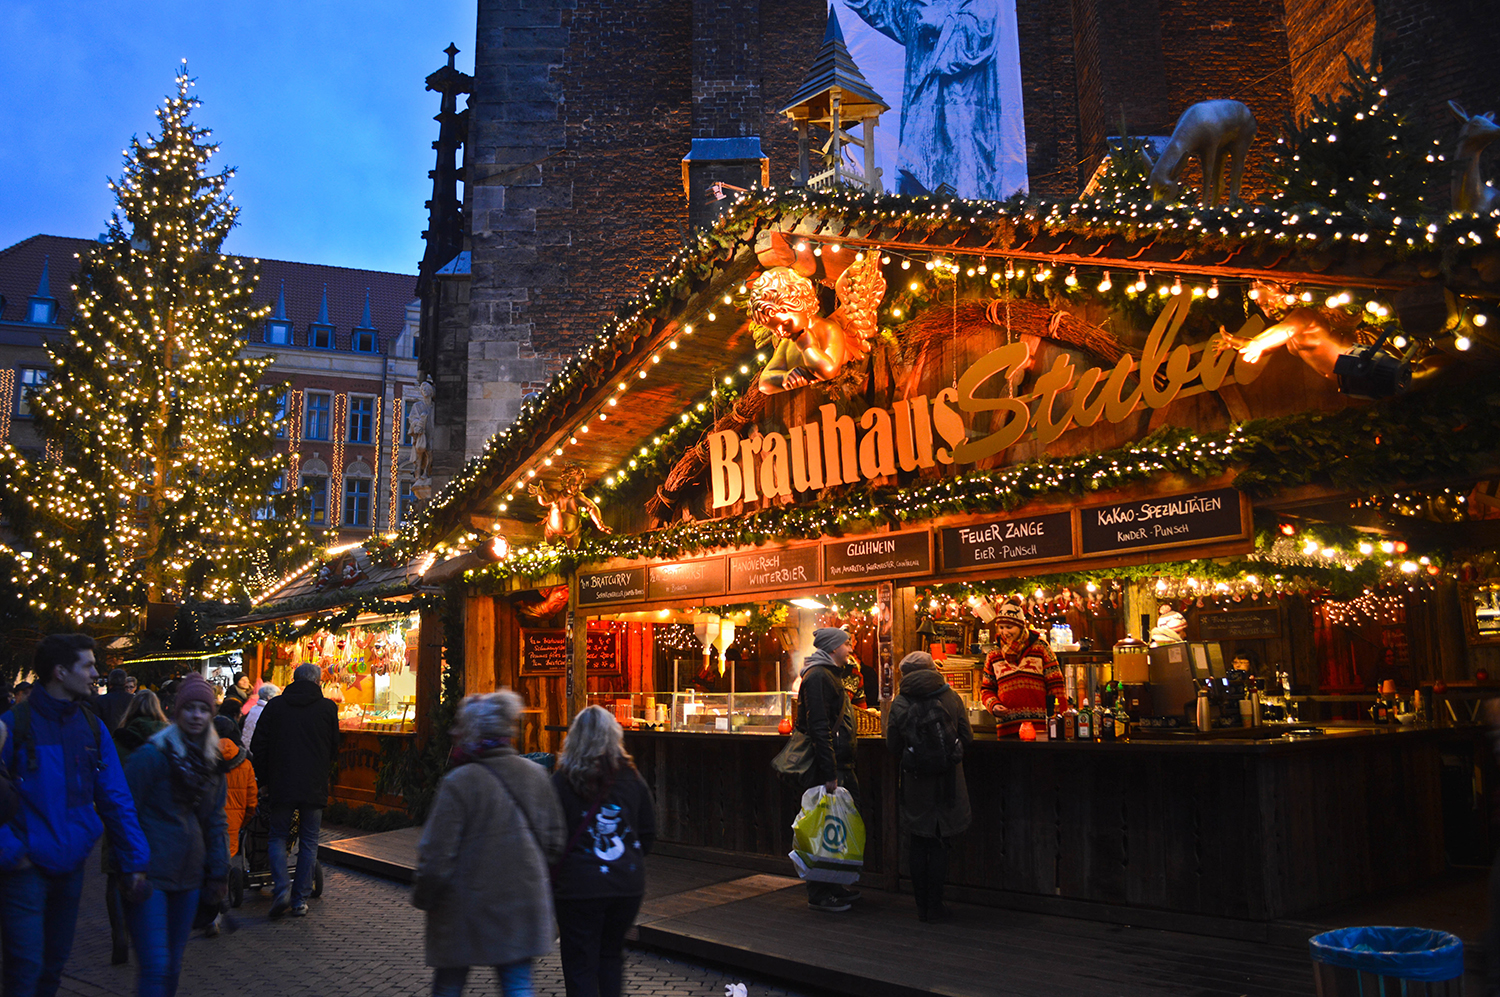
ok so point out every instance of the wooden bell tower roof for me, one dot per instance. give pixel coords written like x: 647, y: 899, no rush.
x: 834, y: 72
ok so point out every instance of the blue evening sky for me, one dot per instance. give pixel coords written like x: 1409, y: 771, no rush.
x: 319, y: 105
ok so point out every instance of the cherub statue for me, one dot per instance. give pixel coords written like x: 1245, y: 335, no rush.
x: 1316, y: 336
x: 566, y: 507
x: 810, y: 347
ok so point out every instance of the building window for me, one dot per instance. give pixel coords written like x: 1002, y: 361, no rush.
x: 357, y: 502
x: 362, y: 340
x: 41, y: 310
x: 315, y: 499
x: 361, y: 419
x: 319, y: 405
x: 279, y: 419
x: 279, y: 333
x: 28, y: 379
x: 320, y: 336
x: 267, y: 509
x: 408, y: 504
x: 416, y: 345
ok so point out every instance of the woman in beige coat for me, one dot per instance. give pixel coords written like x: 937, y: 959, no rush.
x: 482, y: 865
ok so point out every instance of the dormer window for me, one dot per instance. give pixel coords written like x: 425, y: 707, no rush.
x: 42, y: 311
x: 362, y: 340
x: 279, y: 333
x: 320, y: 337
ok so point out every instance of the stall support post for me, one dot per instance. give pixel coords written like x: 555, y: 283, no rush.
x: 575, y: 688
x: 479, y: 644
x: 904, y: 637
x: 429, y: 670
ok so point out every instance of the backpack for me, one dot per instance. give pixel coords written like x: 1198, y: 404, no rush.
x: 22, y: 736
x: 931, y: 734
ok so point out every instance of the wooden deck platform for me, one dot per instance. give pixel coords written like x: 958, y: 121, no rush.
x: 760, y: 922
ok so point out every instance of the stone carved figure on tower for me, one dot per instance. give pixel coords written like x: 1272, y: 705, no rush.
x: 810, y: 347
x: 950, y: 106
x: 1470, y: 192
x: 1212, y: 130
x: 567, y: 507
x: 418, y: 418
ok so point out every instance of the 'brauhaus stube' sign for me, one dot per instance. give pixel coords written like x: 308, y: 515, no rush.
x: 922, y: 432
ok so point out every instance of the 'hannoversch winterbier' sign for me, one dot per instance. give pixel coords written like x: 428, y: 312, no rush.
x: 877, y: 555
x: 687, y: 579
x: 622, y: 585
x: 1006, y: 541
x: 1167, y: 521
x: 773, y: 568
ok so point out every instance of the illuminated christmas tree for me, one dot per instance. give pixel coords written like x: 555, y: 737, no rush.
x: 1353, y: 152
x: 159, y: 435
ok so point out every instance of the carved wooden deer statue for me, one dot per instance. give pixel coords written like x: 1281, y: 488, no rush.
x: 1470, y: 193
x: 1212, y: 130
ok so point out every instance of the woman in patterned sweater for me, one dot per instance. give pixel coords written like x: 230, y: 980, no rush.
x: 1019, y: 673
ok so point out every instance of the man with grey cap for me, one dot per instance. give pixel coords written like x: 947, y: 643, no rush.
x: 928, y: 731
x: 824, y: 715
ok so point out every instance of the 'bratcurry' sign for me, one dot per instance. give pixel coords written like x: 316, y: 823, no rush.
x: 923, y: 432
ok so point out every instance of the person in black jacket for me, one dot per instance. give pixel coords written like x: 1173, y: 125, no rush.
x: 601, y: 878
x: 111, y: 706
x: 824, y: 715
x: 293, y: 750
x: 934, y: 805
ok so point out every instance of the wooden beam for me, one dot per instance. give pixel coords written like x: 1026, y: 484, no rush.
x: 429, y: 671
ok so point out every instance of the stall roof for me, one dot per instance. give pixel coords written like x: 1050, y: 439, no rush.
x: 302, y: 592
x: 665, y: 349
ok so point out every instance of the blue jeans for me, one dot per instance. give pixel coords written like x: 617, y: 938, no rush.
x: 38, y: 913
x: 159, y: 928
x: 310, y: 821
x: 514, y: 979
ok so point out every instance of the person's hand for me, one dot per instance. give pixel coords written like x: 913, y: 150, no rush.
x: 998, y: 710
x: 137, y: 888
x: 830, y: 786
x: 216, y: 889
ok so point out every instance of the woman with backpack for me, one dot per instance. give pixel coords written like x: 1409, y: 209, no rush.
x: 179, y: 797
x: 928, y: 731
x: 482, y: 863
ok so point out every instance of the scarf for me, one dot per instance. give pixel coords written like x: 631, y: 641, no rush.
x: 192, y: 774
x: 463, y: 754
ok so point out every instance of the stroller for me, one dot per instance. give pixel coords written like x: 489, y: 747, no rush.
x: 251, y: 868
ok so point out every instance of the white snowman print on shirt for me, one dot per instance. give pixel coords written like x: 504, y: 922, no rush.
x: 609, y: 839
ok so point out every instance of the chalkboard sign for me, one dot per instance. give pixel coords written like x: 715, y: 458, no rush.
x: 687, y: 579
x: 623, y: 585
x: 789, y: 567
x: 545, y: 652
x: 877, y: 555
x: 1167, y: 521
x: 1240, y: 624
x: 1008, y: 541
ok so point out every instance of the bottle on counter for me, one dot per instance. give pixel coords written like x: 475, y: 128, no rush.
x: 1070, y: 724
x: 1055, y: 723
x: 1104, y: 718
x: 1253, y: 694
x: 1122, y: 721
x: 1205, y: 710
x: 1086, y: 721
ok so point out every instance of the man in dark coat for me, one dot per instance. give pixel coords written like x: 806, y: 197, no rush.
x: 293, y: 748
x: 934, y: 806
x: 111, y: 706
x: 823, y: 714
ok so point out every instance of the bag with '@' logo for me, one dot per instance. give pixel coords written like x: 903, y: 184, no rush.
x: 828, y: 837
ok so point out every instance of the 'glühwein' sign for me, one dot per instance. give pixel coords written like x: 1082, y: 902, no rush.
x: 687, y: 579
x: 1006, y: 541
x: 922, y: 432
x: 773, y: 569
x: 622, y: 585
x: 877, y: 555
x: 1168, y: 521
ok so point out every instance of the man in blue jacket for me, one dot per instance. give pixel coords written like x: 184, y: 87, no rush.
x: 68, y: 776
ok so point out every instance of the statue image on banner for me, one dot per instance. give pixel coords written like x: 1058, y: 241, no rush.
x: 951, y: 127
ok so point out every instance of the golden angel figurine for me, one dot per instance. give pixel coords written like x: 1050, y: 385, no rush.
x: 810, y: 347
x: 566, y: 508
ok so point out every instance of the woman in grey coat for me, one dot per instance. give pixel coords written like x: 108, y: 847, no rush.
x: 482, y: 865
x: 934, y: 805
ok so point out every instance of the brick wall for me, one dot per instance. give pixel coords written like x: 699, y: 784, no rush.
x: 1440, y: 50
x: 1049, y: 91
x: 1319, y: 34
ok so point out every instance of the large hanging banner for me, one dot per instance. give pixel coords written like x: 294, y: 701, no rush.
x: 951, y: 72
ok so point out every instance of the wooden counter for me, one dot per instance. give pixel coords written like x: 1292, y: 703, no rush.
x: 1225, y: 830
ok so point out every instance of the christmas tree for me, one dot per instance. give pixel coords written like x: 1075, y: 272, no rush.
x: 1355, y: 152
x: 159, y: 435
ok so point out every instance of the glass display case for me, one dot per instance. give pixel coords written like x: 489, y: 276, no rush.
x: 397, y: 716
x: 700, y: 712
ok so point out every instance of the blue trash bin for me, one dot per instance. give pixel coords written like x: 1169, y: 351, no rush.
x: 1387, y: 962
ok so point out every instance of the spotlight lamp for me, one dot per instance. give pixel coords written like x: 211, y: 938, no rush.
x: 1368, y: 372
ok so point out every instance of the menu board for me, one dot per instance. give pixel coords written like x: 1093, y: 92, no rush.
x: 1166, y: 521
x: 624, y: 585
x: 788, y: 567
x: 545, y: 652
x: 1243, y: 624
x: 687, y: 579
x: 877, y: 555
x: 1008, y: 541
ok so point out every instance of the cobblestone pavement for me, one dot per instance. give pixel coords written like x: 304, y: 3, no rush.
x: 362, y: 937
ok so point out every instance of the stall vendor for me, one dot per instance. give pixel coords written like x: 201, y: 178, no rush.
x: 1019, y: 673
